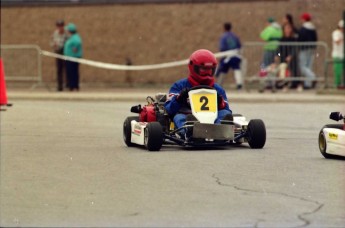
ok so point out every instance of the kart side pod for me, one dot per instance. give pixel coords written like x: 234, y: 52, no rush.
x: 332, y: 138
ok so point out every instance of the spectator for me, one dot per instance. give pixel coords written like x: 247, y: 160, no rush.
x: 338, y: 54
x: 271, y: 34
x: 229, y: 41
x: 57, y: 42
x: 271, y: 73
x: 284, y: 63
x: 288, y: 54
x: 288, y: 19
x: 307, y: 33
x: 73, y: 48
x: 202, y: 66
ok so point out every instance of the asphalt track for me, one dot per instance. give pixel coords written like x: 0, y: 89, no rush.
x: 64, y: 164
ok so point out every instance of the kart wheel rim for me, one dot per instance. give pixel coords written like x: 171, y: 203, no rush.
x: 124, y: 132
x: 249, y: 135
x: 322, y: 142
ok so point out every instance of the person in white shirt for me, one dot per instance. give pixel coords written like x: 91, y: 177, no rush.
x: 57, y: 42
x: 338, y: 54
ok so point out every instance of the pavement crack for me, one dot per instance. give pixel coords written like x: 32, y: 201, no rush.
x: 256, y: 225
x: 306, y: 221
x: 300, y: 216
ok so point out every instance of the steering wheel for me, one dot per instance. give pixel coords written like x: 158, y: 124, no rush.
x: 201, y: 87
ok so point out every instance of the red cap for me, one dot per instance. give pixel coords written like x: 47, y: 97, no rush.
x: 306, y: 16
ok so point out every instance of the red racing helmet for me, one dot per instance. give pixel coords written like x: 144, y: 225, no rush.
x: 202, y: 66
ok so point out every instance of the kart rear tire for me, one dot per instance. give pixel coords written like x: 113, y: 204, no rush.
x: 153, y: 139
x: 323, y: 143
x: 256, y: 134
x: 127, y: 130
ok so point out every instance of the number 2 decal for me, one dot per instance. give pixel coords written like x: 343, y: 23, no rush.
x: 204, y: 101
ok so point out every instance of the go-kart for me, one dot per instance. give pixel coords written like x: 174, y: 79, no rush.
x: 153, y: 127
x: 332, y: 137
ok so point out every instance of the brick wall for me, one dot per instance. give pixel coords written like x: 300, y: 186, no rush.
x: 154, y: 33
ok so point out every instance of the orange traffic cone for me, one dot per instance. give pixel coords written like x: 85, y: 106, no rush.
x: 3, y: 94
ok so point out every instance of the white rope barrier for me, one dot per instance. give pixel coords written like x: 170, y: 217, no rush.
x: 132, y: 67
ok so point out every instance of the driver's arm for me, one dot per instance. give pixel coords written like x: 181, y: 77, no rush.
x: 171, y: 105
x: 221, y: 92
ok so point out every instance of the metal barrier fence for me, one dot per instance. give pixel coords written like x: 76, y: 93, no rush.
x: 253, y: 53
x: 22, y: 62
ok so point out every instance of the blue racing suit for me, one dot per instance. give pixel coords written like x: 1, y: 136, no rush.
x: 178, y: 111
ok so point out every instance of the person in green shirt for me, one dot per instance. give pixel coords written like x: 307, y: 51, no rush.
x: 338, y: 53
x: 271, y: 34
x: 73, y: 48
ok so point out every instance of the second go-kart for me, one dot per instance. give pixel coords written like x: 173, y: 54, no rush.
x: 153, y: 127
x: 332, y: 138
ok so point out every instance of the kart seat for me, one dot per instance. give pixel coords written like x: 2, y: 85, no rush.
x: 227, y: 119
x: 191, y: 119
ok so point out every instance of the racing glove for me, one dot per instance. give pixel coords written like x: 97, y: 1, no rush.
x: 182, y: 97
x: 220, y: 101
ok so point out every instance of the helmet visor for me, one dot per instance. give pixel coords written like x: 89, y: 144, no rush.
x: 204, y: 70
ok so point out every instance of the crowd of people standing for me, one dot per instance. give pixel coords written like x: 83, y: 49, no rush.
x: 289, y: 52
x: 283, y: 58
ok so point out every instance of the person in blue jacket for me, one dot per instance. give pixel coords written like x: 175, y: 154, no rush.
x: 202, y: 66
x: 230, y: 41
x: 73, y: 48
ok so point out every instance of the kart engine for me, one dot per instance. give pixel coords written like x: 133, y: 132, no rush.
x: 153, y: 110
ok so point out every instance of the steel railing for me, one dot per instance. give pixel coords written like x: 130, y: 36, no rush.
x: 22, y: 62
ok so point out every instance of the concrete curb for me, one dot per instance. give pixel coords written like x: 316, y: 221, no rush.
x: 140, y: 96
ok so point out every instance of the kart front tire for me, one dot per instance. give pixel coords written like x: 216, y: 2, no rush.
x: 153, y: 136
x: 323, y: 142
x: 256, y: 134
x: 127, y: 130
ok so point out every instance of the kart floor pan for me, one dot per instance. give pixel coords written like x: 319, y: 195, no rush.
x: 213, y: 131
